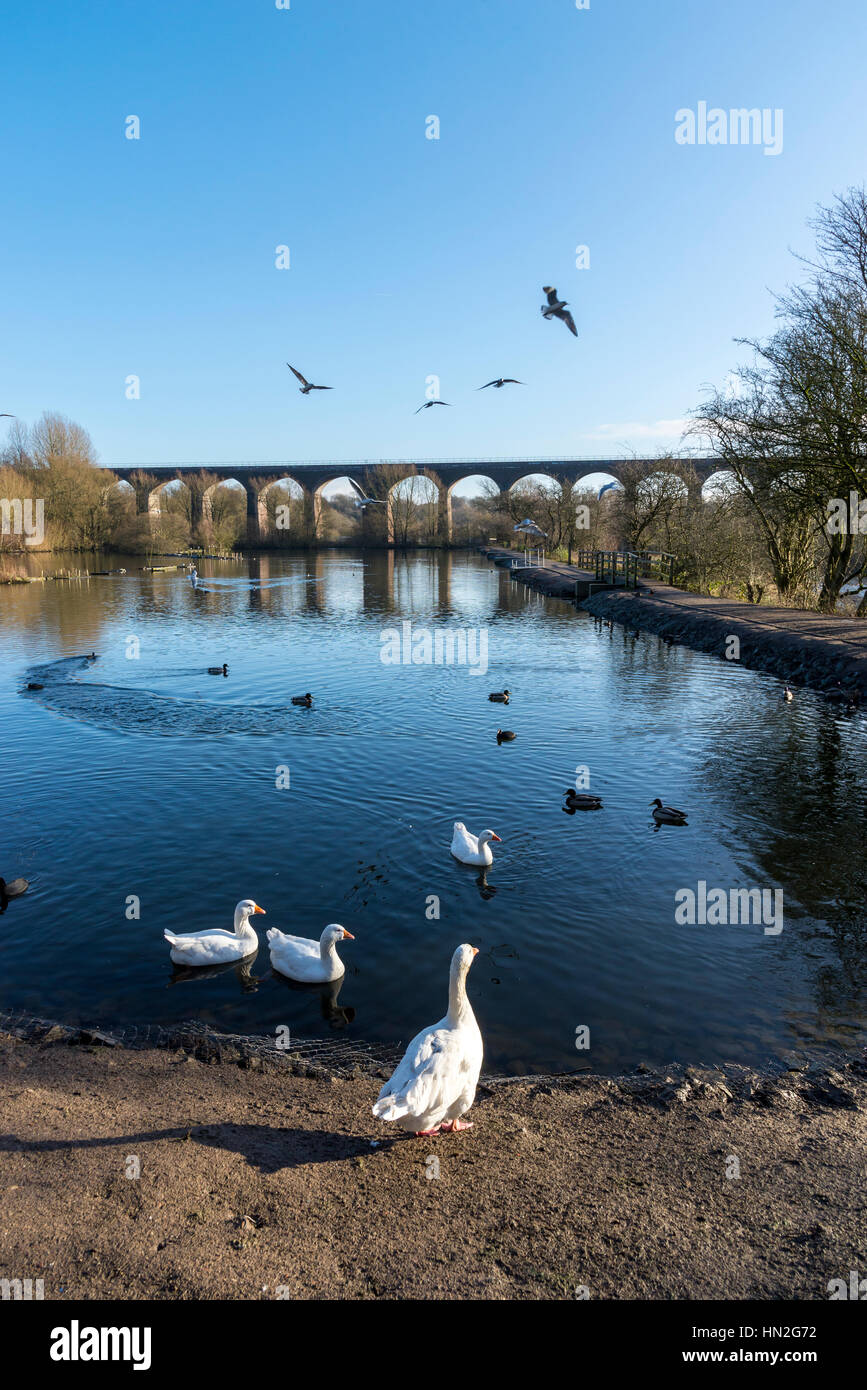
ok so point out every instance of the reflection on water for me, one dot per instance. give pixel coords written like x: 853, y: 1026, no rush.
x: 241, y: 969
x: 138, y: 774
x: 336, y: 1015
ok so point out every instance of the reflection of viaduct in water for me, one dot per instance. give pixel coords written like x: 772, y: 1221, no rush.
x: 148, y: 481
x: 380, y: 583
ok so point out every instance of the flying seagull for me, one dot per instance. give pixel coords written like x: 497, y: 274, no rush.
x: 4, y: 415
x: 556, y: 308
x: 427, y: 405
x: 362, y: 500
x: 306, y: 385
x: 500, y: 381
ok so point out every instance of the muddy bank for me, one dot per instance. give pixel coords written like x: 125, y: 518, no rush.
x: 158, y: 1174
x: 802, y: 648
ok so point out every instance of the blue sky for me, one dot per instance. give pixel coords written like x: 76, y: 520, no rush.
x: 409, y: 257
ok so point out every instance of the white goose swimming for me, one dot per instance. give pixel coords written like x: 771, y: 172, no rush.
x: 216, y: 947
x: 435, y: 1084
x: 311, y: 962
x: 473, y: 849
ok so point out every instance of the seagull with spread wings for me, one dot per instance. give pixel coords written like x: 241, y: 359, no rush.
x: 427, y: 405
x: 362, y: 500
x: 501, y: 381
x: 306, y: 386
x: 556, y: 308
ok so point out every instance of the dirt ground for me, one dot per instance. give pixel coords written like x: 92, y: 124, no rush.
x: 260, y: 1183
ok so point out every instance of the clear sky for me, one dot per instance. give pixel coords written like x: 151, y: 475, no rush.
x: 409, y: 257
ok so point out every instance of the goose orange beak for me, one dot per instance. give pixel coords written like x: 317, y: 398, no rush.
x: 497, y: 838
x: 475, y: 950
x: 348, y: 935
x: 257, y: 908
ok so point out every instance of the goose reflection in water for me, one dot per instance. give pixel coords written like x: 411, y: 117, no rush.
x: 182, y: 974
x: 335, y: 1015
x: 486, y: 890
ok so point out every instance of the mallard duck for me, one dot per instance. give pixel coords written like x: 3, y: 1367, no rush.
x: 506, y: 735
x: 501, y: 697
x: 311, y: 962
x: 219, y: 670
x: 667, y: 815
x: 34, y: 685
x: 849, y: 698
x: 788, y: 694
x: 582, y: 801
x: 302, y: 700
x: 435, y: 1084
x: 216, y: 947
x: 473, y: 849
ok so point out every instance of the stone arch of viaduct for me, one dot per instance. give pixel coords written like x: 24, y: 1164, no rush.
x: 148, y: 481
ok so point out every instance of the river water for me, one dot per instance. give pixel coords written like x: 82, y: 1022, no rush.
x: 138, y: 776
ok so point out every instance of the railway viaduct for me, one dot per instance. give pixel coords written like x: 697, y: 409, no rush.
x: 375, y: 477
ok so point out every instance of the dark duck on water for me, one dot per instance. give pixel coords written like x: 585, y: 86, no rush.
x: 13, y: 889
x: 582, y: 801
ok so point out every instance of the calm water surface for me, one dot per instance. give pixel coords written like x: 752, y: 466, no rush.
x: 148, y: 777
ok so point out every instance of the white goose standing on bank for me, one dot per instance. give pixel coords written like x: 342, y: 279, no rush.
x: 217, y: 947
x: 435, y: 1084
x: 473, y: 849
x: 310, y: 962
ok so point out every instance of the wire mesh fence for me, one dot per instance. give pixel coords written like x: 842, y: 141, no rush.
x: 342, y: 1057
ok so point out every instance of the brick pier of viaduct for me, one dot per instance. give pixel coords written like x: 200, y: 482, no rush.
x: 148, y: 481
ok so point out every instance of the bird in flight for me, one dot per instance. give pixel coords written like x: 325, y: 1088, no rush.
x: 4, y: 415
x: 556, y: 308
x: 306, y: 385
x: 427, y: 405
x: 501, y: 381
x: 362, y: 500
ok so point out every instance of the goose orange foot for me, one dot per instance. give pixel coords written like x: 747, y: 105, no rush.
x: 424, y: 1133
x: 455, y: 1126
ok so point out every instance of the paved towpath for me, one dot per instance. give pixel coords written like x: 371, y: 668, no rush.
x: 804, y: 648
